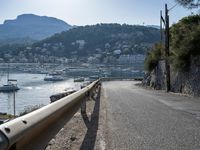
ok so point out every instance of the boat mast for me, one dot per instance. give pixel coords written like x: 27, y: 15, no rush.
x: 8, y: 72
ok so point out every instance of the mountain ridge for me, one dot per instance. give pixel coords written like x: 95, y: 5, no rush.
x: 85, y: 40
x: 32, y: 26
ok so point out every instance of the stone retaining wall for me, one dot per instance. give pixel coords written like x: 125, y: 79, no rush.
x: 187, y: 83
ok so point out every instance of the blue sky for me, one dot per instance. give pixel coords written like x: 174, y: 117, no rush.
x: 83, y: 12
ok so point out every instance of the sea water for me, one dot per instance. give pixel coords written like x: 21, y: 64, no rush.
x: 33, y: 91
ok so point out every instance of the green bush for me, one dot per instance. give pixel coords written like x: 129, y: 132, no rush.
x: 184, y: 42
x: 153, y: 57
x: 29, y: 109
x: 184, y: 45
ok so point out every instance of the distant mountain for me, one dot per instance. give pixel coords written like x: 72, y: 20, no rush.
x: 153, y: 26
x: 31, y: 27
x: 92, y: 43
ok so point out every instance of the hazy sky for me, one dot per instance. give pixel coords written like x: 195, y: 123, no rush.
x: 82, y: 12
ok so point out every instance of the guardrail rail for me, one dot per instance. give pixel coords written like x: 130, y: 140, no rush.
x: 33, y: 131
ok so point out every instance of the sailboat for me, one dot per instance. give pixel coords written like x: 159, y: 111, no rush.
x: 11, y: 85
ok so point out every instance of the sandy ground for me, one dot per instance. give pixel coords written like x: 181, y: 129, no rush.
x: 83, y: 131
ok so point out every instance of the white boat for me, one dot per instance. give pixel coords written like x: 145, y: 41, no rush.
x: 53, y: 78
x: 11, y: 85
x: 80, y: 79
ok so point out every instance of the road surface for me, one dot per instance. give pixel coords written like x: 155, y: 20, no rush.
x: 140, y: 119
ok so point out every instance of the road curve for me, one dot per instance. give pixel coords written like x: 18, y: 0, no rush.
x: 139, y: 119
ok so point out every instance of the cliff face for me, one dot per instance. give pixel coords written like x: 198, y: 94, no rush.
x: 181, y: 82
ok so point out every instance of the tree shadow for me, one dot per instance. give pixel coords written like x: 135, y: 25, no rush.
x: 92, y: 125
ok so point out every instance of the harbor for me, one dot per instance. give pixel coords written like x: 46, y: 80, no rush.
x: 33, y: 91
x: 38, y: 82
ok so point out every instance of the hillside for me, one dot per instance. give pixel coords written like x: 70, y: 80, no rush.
x: 184, y: 59
x: 97, y: 43
x: 28, y: 27
x: 104, y: 38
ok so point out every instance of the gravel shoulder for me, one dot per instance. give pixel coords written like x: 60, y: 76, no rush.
x: 83, y: 131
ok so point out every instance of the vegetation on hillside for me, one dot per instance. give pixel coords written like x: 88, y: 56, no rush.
x: 102, y: 42
x: 184, y: 45
x: 185, y: 39
x: 8, y: 51
x: 105, y: 37
x: 153, y: 57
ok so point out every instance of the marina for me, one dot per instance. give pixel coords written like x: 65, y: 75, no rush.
x: 33, y: 91
x: 38, y: 82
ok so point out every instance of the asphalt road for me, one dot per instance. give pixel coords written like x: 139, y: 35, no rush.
x: 140, y: 119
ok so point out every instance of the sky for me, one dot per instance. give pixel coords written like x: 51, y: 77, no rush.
x: 87, y: 12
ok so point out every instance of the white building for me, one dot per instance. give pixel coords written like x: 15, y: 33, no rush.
x: 117, y: 52
x: 131, y: 59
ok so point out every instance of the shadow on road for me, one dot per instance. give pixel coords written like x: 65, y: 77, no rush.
x: 92, y: 125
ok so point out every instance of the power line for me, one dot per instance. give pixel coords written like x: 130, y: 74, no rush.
x: 172, y: 7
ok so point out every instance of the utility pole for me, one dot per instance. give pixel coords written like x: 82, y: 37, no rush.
x: 167, y: 48
x: 161, y: 28
x: 166, y: 23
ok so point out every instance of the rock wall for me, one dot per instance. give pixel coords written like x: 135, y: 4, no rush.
x: 187, y: 82
x: 160, y: 74
x: 156, y: 78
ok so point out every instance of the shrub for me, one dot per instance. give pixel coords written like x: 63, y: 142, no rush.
x: 185, y: 39
x: 153, y: 57
x: 29, y: 109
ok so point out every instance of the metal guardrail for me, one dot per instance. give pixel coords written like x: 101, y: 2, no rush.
x: 36, y: 129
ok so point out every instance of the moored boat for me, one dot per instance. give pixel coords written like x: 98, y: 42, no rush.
x: 53, y: 78
x: 80, y: 79
x: 9, y: 87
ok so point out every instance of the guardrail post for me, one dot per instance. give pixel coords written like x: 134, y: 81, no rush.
x: 98, y: 90
x: 83, y: 106
x: 90, y: 94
